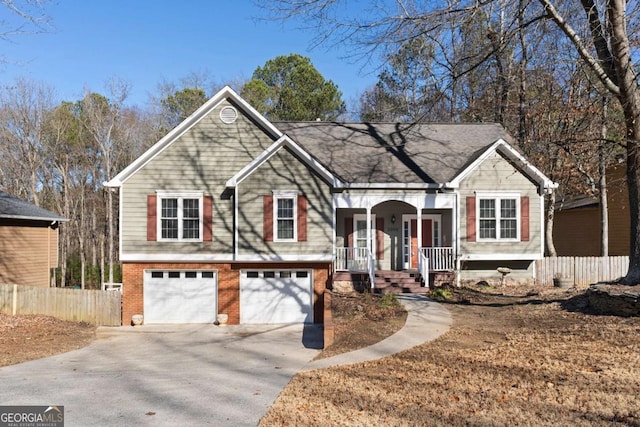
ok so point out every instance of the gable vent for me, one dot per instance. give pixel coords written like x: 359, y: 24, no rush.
x: 228, y: 115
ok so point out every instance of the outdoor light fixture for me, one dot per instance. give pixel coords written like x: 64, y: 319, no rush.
x: 393, y: 219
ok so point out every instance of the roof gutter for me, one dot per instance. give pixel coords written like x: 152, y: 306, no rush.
x: 394, y: 186
x: 34, y: 218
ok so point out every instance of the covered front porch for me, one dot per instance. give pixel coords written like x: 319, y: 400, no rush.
x: 414, y: 233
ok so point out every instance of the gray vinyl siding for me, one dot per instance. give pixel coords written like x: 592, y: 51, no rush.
x: 284, y: 172
x: 497, y: 175
x: 488, y: 270
x: 202, y: 159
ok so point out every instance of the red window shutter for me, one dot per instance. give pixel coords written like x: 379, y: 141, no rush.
x: 152, y: 216
x: 524, y: 219
x: 207, y: 219
x: 268, y: 218
x: 379, y: 238
x: 348, y: 232
x: 302, y: 218
x: 471, y: 219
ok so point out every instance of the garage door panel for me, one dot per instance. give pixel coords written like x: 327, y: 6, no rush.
x: 180, y: 298
x: 280, y: 297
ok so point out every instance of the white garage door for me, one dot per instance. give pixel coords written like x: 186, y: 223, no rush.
x: 276, y: 296
x: 180, y: 296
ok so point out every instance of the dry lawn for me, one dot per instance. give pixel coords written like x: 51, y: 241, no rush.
x: 30, y: 337
x: 361, y: 320
x: 513, y: 357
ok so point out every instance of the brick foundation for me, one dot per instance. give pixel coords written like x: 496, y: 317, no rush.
x: 329, y: 329
x: 228, y: 285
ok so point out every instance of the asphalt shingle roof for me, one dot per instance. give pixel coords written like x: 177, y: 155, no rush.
x: 393, y: 152
x: 15, y: 208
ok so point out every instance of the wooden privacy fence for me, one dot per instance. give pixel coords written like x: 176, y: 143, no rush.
x: 583, y: 271
x: 102, y: 308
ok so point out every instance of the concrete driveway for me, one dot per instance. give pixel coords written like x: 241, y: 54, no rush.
x: 187, y: 375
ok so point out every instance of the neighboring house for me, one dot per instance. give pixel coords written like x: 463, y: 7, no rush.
x: 28, y: 242
x: 230, y: 213
x: 576, y: 226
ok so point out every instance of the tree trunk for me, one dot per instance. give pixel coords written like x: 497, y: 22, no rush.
x: 633, y: 183
x: 111, y: 231
x: 102, y: 256
x: 550, y: 248
x: 602, y: 185
x: 629, y: 97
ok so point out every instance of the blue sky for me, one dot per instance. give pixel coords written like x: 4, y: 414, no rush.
x: 145, y: 42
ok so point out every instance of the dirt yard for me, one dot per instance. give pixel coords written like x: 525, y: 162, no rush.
x: 29, y: 337
x: 361, y: 320
x: 514, y: 356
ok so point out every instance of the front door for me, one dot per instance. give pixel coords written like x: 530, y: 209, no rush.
x: 430, y: 232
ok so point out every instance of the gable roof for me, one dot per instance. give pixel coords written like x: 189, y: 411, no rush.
x: 283, y: 142
x: 393, y: 152
x: 14, y: 208
x: 225, y: 93
x: 418, y: 153
x: 506, y: 150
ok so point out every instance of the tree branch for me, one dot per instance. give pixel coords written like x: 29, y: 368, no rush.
x: 592, y: 62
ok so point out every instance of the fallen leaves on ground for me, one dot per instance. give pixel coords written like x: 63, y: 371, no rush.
x: 514, y: 356
x: 363, y: 319
x: 30, y: 337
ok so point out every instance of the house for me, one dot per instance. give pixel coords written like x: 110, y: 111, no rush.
x: 577, y: 226
x: 232, y: 214
x: 28, y: 242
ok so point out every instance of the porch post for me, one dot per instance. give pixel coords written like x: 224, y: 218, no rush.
x: 369, y: 240
x: 419, y: 230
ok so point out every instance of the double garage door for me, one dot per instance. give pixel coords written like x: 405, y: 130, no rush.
x: 266, y: 296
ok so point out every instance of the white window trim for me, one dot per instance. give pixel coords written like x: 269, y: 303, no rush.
x: 277, y: 195
x: 498, y: 197
x: 179, y: 195
x: 363, y: 217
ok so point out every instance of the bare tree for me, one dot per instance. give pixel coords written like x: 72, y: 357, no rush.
x: 22, y: 114
x: 598, y: 32
x: 24, y: 17
x: 100, y: 117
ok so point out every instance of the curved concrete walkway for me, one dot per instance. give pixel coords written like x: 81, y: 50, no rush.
x: 426, y: 321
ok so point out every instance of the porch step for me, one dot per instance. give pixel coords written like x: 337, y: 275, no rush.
x: 398, y: 282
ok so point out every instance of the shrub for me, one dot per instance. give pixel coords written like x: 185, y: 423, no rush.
x: 441, y: 294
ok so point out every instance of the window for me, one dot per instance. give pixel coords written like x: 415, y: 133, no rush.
x: 360, y: 231
x: 285, y: 214
x: 180, y: 216
x: 498, y: 217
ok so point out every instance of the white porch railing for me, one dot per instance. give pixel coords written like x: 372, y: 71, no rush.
x: 356, y: 260
x: 439, y: 258
x: 423, y: 268
x: 372, y: 270
x: 352, y: 259
x: 106, y: 286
